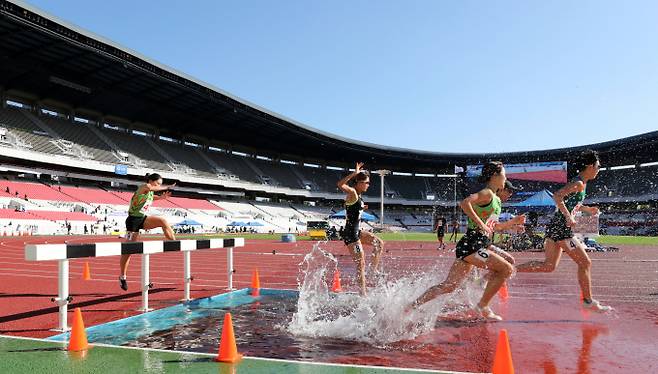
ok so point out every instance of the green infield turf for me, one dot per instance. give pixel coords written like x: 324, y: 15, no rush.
x: 33, y: 356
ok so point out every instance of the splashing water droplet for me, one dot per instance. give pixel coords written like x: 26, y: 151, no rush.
x: 378, y: 318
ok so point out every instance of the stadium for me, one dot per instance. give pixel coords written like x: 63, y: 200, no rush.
x: 83, y: 120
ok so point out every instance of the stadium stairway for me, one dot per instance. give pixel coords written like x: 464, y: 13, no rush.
x: 160, y: 151
x: 255, y: 169
x: 210, y: 161
x: 42, y: 125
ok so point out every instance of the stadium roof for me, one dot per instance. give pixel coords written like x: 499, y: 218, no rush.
x: 56, y: 62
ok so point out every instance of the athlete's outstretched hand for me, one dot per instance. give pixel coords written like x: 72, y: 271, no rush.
x: 488, y: 231
x: 593, y: 211
x: 518, y: 220
x: 358, y: 167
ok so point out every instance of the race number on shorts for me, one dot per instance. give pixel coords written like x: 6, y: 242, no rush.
x: 482, y: 254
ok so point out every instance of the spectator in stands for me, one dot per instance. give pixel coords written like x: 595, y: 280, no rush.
x: 86, y: 231
x: 559, y: 234
x: 139, y: 220
x: 482, y: 209
x: 352, y: 236
x: 7, y: 189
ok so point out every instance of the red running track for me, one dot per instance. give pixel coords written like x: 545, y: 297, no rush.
x: 548, y: 331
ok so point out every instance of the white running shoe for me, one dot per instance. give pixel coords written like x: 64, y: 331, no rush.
x: 487, y: 313
x: 596, y: 306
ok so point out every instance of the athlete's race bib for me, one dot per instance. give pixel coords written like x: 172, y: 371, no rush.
x: 492, y: 221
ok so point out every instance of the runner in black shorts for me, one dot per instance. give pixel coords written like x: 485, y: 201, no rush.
x: 139, y: 220
x: 482, y: 209
x: 559, y: 234
x: 352, y: 236
x: 440, y: 228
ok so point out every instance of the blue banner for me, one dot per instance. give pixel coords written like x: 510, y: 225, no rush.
x: 121, y: 169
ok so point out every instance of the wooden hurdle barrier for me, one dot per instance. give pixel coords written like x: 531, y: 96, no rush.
x: 64, y: 252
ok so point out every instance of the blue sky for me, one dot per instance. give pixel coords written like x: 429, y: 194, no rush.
x: 444, y: 76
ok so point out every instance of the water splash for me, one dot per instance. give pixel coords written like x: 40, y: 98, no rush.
x: 380, y: 317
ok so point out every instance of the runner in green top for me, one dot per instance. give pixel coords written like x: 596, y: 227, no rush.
x: 482, y: 209
x: 140, y: 203
x: 487, y: 213
x: 559, y: 234
x: 138, y: 218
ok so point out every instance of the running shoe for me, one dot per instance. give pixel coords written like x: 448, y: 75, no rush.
x: 596, y: 306
x: 487, y: 313
x: 123, y: 284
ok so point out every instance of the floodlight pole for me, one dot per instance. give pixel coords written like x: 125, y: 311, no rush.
x: 382, y: 173
x: 454, y: 201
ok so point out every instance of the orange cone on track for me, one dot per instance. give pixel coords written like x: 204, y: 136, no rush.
x: 255, y: 283
x: 503, y: 360
x: 335, y: 286
x: 503, y: 293
x: 86, y: 274
x: 228, y: 350
x: 78, y: 339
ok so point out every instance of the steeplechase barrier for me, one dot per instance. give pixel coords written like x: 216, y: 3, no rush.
x: 64, y: 252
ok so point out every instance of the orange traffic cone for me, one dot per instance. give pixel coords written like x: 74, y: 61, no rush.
x: 255, y: 283
x: 86, y: 274
x: 78, y: 339
x: 335, y: 287
x: 503, y: 360
x: 228, y: 350
x: 502, y: 292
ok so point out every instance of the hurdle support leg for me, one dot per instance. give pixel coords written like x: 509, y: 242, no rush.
x: 63, y: 298
x: 146, y: 283
x: 187, y: 271
x: 229, y: 267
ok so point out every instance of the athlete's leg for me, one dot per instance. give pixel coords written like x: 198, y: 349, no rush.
x: 377, y: 244
x: 553, y: 252
x: 576, y: 250
x: 152, y: 222
x: 356, y: 249
x: 456, y: 275
x: 500, y: 270
x: 125, y: 259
